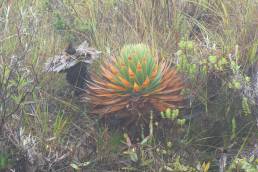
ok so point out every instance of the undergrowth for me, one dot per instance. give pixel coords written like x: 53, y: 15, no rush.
x: 44, y: 127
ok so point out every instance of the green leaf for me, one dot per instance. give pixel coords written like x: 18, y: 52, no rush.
x: 75, y: 166
x: 245, y: 106
x: 175, y: 113
x: 162, y: 114
x: 181, y: 121
x: 233, y: 128
x: 212, y: 59
x: 133, y: 156
x: 168, y: 112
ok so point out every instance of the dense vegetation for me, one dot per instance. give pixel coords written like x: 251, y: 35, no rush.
x: 213, y: 44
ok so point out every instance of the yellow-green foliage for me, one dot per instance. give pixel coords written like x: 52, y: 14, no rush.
x: 178, y: 166
x: 3, y: 161
x: 173, y: 115
x: 136, y: 69
x: 245, y: 164
x: 245, y: 106
x: 212, y: 42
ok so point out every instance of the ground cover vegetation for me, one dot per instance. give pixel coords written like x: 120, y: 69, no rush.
x: 175, y: 87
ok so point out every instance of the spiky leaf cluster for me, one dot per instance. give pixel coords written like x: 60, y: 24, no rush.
x: 134, y: 79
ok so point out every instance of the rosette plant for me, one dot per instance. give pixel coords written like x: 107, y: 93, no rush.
x: 134, y: 82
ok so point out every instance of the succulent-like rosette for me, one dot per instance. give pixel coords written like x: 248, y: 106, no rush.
x: 134, y: 80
